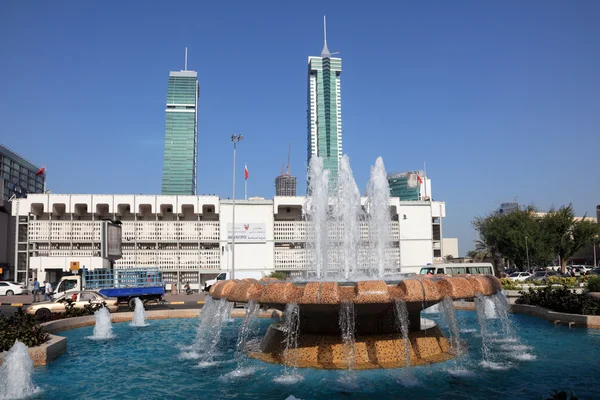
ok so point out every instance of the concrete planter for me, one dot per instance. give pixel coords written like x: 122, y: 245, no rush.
x: 46, y: 352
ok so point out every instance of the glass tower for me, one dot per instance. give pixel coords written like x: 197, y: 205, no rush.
x: 181, y: 136
x: 18, y: 176
x: 324, y: 111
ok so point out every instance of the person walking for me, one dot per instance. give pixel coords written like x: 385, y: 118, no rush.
x: 48, y: 291
x: 36, y: 290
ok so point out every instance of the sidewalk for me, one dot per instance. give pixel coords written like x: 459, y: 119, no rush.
x: 182, y: 298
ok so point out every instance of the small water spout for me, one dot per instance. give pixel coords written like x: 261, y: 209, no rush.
x: 139, y: 314
x: 402, y: 324
x: 16, y: 373
x: 347, y: 326
x: 103, y: 328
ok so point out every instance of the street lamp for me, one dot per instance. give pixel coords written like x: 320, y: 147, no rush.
x: 527, y: 251
x: 235, y: 139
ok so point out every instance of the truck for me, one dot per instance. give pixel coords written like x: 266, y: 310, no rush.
x: 241, y: 274
x: 125, y: 285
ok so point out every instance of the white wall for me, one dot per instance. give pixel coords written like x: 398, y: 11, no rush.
x: 255, y: 255
x: 450, y: 246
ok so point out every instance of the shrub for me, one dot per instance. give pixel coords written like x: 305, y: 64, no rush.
x: 279, y: 275
x: 509, y: 284
x: 23, y: 327
x: 594, y: 284
x: 560, y: 300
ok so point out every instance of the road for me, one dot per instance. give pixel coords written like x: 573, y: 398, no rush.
x: 10, y: 304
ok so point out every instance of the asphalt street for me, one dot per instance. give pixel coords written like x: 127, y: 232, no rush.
x: 10, y: 304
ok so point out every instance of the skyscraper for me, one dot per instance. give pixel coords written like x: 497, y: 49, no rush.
x: 285, y: 184
x: 181, y: 134
x: 410, y: 186
x: 324, y: 110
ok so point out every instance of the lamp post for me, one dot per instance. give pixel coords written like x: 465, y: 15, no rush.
x: 235, y: 139
x: 527, y: 251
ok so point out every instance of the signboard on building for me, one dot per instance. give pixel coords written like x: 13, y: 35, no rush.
x: 111, y: 241
x: 248, y: 232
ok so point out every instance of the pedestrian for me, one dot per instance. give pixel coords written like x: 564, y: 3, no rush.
x: 48, y: 291
x: 36, y: 290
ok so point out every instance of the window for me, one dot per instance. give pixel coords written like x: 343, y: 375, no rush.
x: 221, y: 277
x: 87, y: 297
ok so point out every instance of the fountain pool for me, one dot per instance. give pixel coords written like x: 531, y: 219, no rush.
x: 146, y: 363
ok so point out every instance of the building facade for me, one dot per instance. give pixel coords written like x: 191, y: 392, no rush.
x: 189, y: 237
x: 285, y: 185
x: 324, y: 111
x: 181, y: 134
x: 410, y: 185
x: 18, y: 176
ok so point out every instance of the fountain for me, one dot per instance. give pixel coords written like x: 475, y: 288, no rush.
x: 350, y: 314
x: 15, y: 373
x: 139, y: 314
x: 103, y: 328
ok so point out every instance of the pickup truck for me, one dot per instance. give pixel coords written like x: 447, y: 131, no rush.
x: 241, y: 274
x: 123, y: 284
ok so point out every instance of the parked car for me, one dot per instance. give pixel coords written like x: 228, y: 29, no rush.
x: 541, y: 276
x: 518, y: 276
x: 11, y: 288
x: 46, y: 308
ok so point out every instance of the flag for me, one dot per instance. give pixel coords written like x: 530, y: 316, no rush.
x: 419, y: 179
x: 42, y: 171
x: 246, y: 171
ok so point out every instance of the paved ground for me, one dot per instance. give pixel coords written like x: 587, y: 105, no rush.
x: 9, y: 304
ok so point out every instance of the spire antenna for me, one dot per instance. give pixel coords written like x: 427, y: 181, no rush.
x: 289, y: 147
x: 325, y: 52
x: 185, y: 67
x: 282, y: 170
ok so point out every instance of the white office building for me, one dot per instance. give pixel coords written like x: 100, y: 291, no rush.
x: 189, y: 237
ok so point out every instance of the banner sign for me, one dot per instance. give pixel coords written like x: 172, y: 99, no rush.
x: 248, y: 232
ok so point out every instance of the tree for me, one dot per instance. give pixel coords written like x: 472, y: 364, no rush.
x: 515, y: 236
x: 566, y: 235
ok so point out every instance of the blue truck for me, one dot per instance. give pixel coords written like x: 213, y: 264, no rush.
x: 123, y: 284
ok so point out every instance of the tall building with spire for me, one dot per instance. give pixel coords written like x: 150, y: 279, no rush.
x: 324, y: 110
x: 181, y: 133
x: 285, y: 184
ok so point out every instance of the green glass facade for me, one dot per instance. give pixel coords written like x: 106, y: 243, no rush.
x: 324, y: 113
x: 18, y: 176
x: 405, y: 185
x: 181, y: 135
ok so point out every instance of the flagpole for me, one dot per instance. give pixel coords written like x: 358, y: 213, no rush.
x: 245, y: 182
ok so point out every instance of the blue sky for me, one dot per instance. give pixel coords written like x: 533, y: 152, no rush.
x: 500, y: 98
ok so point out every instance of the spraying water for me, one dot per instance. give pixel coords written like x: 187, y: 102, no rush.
x: 248, y: 327
x: 348, y: 213
x: 290, y: 354
x: 402, y: 324
x: 317, y: 209
x: 347, y: 323
x: 103, y: 328
x: 16, y: 372
x: 378, y: 193
x: 483, y: 326
x: 449, y: 318
x: 214, y: 316
x: 139, y: 314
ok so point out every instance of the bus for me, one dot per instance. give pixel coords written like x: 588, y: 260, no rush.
x: 453, y: 269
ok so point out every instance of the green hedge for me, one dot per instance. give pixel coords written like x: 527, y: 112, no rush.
x: 594, y: 284
x: 560, y: 300
x: 23, y: 327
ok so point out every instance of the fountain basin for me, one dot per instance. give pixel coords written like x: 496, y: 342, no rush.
x: 376, y: 331
x: 326, y: 351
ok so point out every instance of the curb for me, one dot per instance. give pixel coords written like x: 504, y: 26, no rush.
x: 15, y: 304
x: 166, y: 303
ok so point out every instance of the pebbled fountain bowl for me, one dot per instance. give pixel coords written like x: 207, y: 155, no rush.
x: 379, y: 340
